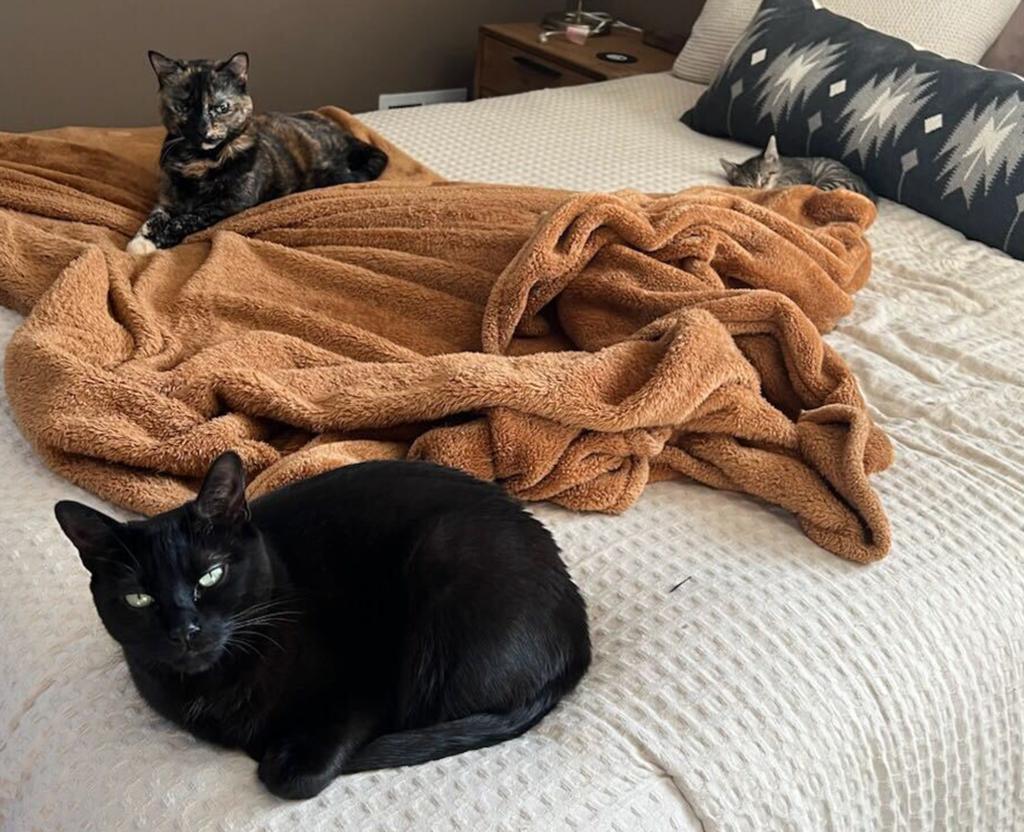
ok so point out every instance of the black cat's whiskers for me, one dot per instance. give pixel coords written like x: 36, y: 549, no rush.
x: 242, y: 647
x: 249, y: 622
x: 275, y: 615
x: 253, y: 626
x: 262, y: 610
x: 239, y: 638
x: 268, y: 621
x: 263, y: 619
x: 260, y: 606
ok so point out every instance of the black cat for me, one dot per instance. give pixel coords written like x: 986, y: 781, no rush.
x: 379, y: 615
x: 218, y: 158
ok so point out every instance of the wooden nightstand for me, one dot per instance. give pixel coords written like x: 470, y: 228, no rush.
x: 511, y: 59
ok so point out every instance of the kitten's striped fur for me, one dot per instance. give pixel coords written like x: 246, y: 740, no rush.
x: 769, y: 170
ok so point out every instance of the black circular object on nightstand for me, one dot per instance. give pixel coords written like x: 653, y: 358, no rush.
x: 617, y: 57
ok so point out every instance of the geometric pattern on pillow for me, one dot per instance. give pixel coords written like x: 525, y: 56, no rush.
x: 943, y: 137
x: 961, y: 29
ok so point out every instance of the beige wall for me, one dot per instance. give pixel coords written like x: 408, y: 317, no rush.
x: 84, y: 61
x: 675, y: 16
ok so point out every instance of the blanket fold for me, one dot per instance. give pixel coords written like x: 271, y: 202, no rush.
x: 573, y: 347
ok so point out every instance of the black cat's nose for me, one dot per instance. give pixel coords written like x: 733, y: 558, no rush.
x: 184, y: 634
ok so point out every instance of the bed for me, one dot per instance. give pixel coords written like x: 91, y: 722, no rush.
x: 744, y: 679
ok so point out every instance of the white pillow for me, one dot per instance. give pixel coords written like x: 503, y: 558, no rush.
x: 960, y: 29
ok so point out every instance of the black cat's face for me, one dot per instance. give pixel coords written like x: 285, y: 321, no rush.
x: 204, y: 102
x: 175, y: 591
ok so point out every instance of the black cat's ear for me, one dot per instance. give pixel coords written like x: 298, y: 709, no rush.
x: 221, y: 498
x: 771, y: 151
x: 92, y: 532
x: 162, y: 65
x: 237, y: 65
x: 728, y: 167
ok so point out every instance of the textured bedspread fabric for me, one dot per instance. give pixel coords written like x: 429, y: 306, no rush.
x: 744, y: 679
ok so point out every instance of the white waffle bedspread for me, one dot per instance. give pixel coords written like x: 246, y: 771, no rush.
x: 778, y: 687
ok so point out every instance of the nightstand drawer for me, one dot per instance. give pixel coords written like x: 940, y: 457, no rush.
x: 504, y: 70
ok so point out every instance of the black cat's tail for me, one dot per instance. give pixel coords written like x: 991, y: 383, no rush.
x: 421, y: 745
x: 365, y: 162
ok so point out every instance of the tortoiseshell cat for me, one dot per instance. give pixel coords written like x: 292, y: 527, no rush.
x: 770, y: 170
x: 218, y: 158
x: 379, y: 615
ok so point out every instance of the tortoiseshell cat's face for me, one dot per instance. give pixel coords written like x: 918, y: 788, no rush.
x: 204, y: 102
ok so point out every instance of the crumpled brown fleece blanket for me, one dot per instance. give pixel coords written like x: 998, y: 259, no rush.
x: 571, y: 346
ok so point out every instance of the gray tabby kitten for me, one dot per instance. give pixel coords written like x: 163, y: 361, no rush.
x: 769, y: 170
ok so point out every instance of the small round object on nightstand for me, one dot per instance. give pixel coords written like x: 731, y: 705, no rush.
x: 617, y: 57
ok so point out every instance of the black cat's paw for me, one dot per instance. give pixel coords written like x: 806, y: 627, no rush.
x: 296, y: 769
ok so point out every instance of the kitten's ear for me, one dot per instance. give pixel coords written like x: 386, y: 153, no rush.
x: 221, y: 498
x: 162, y: 65
x: 92, y: 532
x: 237, y: 65
x: 729, y: 167
x: 771, y: 151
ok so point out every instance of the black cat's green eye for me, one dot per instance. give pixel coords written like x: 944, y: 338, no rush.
x: 211, y: 578
x: 138, y: 600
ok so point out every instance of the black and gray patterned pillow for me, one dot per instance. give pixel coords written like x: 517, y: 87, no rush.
x: 944, y: 137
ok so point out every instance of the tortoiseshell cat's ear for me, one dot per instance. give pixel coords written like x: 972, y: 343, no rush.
x: 771, y: 151
x: 93, y: 532
x: 237, y: 65
x: 221, y: 499
x: 162, y: 65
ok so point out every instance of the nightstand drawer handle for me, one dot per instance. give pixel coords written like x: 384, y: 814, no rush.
x: 536, y: 66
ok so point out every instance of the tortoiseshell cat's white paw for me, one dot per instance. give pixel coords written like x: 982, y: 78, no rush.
x: 140, y: 245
